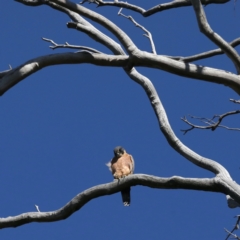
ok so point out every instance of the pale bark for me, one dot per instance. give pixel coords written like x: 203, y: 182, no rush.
x: 221, y: 182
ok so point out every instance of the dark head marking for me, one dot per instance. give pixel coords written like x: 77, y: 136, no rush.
x: 118, y: 151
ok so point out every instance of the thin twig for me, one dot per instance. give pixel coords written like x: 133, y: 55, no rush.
x: 148, y: 34
x: 67, y: 45
x: 236, y: 227
x: 37, y: 208
x: 210, y: 122
x: 205, y: 55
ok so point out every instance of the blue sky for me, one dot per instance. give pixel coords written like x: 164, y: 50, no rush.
x: 59, y: 127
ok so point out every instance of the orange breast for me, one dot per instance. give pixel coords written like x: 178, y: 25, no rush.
x: 121, y: 166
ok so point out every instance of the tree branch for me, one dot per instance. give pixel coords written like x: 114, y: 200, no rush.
x: 210, y: 123
x: 17, y: 74
x: 236, y: 227
x: 141, y: 58
x: 205, y: 55
x: 235, y: 101
x: 33, y: 3
x: 214, y: 37
x: 155, y: 9
x: 66, y: 45
x: 105, y: 22
x: 223, y: 178
x: 84, y: 197
x: 148, y: 34
x: 231, y: 234
x: 187, y: 70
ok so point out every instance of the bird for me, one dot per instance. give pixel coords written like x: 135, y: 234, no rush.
x: 121, y: 165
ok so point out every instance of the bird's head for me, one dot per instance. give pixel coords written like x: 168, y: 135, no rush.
x: 119, y: 151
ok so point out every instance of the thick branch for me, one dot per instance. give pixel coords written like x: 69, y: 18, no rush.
x: 155, y: 9
x: 107, y: 189
x: 188, y: 70
x: 33, y: 3
x: 214, y: 37
x: 19, y: 73
x: 208, y: 74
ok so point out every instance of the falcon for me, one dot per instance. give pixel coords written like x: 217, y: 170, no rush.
x: 122, y: 165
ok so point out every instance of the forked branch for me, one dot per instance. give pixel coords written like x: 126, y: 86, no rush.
x: 205, y: 55
x: 236, y: 227
x: 213, y: 36
x: 67, y: 45
x: 153, y: 10
x: 210, y: 122
x: 148, y: 34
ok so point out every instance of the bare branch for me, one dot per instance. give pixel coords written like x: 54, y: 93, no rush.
x: 105, y: 22
x: 17, y: 74
x: 187, y: 69
x: 66, y: 45
x: 116, y: 4
x: 235, y: 101
x: 140, y: 58
x: 205, y: 55
x: 82, y: 25
x: 148, y: 34
x: 231, y: 234
x: 157, y: 106
x: 155, y: 9
x: 152, y: 61
x: 33, y: 3
x: 214, y: 37
x: 37, y: 208
x: 84, y: 197
x: 236, y: 227
x: 211, y: 124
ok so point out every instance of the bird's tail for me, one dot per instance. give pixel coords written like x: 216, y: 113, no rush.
x: 126, y: 196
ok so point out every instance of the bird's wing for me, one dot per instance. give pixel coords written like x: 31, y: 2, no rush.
x: 109, y: 165
x: 132, y: 163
